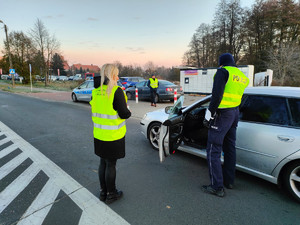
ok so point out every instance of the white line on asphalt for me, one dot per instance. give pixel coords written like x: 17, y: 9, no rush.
x: 18, y: 185
x: 93, y: 210
x: 40, y: 207
x: 8, y: 150
x: 4, y: 140
x: 11, y: 165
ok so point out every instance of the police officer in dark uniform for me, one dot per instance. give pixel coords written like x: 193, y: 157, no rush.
x: 222, y: 118
x: 153, y: 85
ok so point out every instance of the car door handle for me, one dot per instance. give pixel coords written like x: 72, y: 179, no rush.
x: 285, y: 138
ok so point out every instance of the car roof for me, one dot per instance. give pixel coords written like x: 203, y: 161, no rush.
x: 274, y: 90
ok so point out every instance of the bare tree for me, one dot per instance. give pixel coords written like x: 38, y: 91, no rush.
x: 52, y: 45
x: 40, y: 35
x: 284, y: 61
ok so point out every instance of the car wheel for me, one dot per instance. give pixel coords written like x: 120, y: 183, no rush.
x: 129, y: 95
x: 74, y: 98
x: 156, y: 98
x: 292, y: 179
x: 153, y: 134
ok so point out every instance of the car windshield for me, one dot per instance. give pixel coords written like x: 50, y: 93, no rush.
x: 176, y: 108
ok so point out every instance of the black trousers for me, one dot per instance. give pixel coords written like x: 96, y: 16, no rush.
x: 153, y: 94
x: 107, y: 174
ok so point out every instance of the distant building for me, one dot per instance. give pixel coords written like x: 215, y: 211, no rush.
x: 79, y: 68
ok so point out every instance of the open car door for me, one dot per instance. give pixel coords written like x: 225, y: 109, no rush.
x: 171, y: 130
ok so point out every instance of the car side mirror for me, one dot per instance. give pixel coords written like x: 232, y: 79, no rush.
x: 168, y: 109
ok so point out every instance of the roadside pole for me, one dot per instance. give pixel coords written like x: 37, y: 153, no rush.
x: 30, y: 77
x: 175, y: 96
x: 136, y: 96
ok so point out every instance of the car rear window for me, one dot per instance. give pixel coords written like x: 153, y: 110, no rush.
x: 295, y: 111
x: 166, y: 83
x: 265, y: 109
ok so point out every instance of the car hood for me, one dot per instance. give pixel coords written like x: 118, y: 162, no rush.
x: 158, y: 115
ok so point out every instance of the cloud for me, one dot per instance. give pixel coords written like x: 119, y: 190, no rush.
x: 139, y: 49
x: 92, y: 19
x: 56, y: 16
x: 136, y: 18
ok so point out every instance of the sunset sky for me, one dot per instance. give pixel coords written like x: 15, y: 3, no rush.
x: 101, y: 31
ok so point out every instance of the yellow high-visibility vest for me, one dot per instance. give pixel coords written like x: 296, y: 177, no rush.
x: 234, y: 88
x: 153, y: 83
x: 108, y: 126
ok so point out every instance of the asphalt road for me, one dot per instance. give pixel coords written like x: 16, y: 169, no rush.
x: 154, y: 193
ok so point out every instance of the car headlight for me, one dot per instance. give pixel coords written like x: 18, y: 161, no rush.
x: 144, y: 117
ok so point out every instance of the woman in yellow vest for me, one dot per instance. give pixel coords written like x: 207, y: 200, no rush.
x: 109, y: 111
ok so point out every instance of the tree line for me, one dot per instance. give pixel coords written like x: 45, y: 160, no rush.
x: 266, y: 36
x: 38, y: 48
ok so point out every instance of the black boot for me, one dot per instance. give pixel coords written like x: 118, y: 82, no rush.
x: 113, y: 196
x: 103, y: 195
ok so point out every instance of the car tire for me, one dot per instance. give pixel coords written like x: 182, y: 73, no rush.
x: 153, y: 134
x: 74, y: 98
x: 156, y: 98
x: 291, y: 179
x: 129, y: 96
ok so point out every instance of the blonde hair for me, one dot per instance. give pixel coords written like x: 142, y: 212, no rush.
x: 111, y: 72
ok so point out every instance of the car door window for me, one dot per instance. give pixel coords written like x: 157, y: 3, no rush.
x: 83, y: 85
x: 295, y: 111
x: 265, y: 109
x: 140, y: 84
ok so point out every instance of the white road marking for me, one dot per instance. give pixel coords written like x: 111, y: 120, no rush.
x: 41, y: 205
x: 18, y: 185
x: 8, y: 150
x: 11, y: 165
x: 93, y: 211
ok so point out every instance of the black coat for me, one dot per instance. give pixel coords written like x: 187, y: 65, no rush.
x: 114, y: 149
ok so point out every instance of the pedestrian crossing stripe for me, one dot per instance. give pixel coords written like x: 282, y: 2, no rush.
x: 93, y: 211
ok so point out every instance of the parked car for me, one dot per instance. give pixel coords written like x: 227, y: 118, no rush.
x: 4, y: 77
x: 63, y: 78
x: 70, y: 77
x: 53, y: 77
x: 268, y: 133
x: 77, y: 77
x: 165, y: 91
x: 84, y: 91
x: 130, y: 81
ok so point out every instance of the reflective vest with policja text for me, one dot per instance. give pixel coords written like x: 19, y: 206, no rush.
x: 108, y: 126
x: 153, y: 83
x: 234, y: 88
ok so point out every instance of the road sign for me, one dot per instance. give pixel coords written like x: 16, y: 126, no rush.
x: 12, y: 71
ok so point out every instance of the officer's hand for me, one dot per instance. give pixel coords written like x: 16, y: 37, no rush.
x: 207, y: 118
x: 206, y: 123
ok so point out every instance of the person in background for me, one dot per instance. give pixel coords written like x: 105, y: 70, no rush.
x: 153, y: 85
x: 221, y: 118
x: 109, y: 111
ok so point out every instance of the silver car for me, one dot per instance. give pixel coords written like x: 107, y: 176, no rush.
x: 268, y: 133
x: 84, y: 91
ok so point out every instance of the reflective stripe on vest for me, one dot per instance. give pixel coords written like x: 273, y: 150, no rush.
x: 108, y: 126
x: 153, y: 83
x: 104, y: 116
x: 234, y: 88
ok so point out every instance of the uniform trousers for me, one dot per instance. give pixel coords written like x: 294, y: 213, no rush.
x: 153, y: 94
x: 222, y: 137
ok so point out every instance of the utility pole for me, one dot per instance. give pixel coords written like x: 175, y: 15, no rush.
x: 9, y: 55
